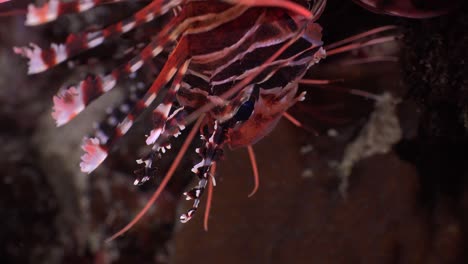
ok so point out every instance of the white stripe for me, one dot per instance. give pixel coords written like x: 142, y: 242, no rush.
x: 95, y: 42
x: 136, y: 66
x: 129, y: 26
x: 125, y: 126
x: 171, y: 74
x: 286, y: 62
x: 60, y: 52
x: 156, y: 51
x: 34, y: 15
x: 220, y: 54
x: 109, y: 82
x: 85, y: 5
x: 149, y: 17
x: 254, y: 46
x: 150, y: 99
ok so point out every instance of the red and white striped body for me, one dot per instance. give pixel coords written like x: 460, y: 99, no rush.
x: 240, y: 61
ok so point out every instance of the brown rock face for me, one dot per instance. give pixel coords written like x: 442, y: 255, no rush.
x: 294, y: 219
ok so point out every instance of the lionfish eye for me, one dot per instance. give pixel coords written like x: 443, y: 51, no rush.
x: 245, y: 111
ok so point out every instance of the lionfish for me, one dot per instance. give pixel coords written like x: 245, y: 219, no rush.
x: 233, y: 66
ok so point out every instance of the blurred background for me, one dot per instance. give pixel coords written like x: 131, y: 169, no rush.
x: 377, y: 179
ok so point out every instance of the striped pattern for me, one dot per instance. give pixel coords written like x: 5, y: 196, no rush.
x: 173, y: 63
x: 55, y: 8
x: 210, y: 153
x: 106, y: 132
x: 172, y: 128
x: 161, y: 113
x: 213, y: 46
x: 70, y: 101
x: 65, y: 108
x: 43, y: 59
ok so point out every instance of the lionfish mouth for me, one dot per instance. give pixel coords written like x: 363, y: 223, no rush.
x: 233, y: 65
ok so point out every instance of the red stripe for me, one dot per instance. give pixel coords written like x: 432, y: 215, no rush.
x: 49, y: 57
x: 91, y: 88
x: 139, y: 107
x: 113, y: 29
x: 70, y: 7
x: 158, y: 120
x: 75, y: 43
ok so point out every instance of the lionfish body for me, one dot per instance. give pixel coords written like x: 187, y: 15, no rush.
x: 238, y: 64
